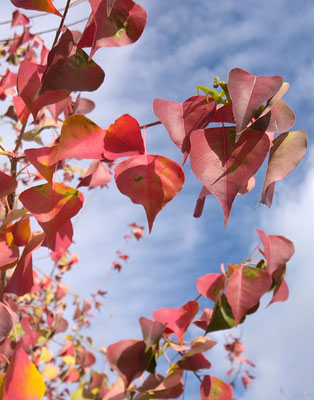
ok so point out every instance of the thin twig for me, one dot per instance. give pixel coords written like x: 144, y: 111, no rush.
x: 61, y: 22
x: 151, y: 124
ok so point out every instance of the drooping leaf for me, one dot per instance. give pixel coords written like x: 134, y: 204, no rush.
x: 128, y: 359
x: 7, y: 184
x: 244, y: 288
x: 248, y: 92
x: 210, y: 285
x: 52, y: 206
x: 280, y: 118
x: 58, y: 108
x: 214, y: 388
x: 30, y: 335
x: 285, y: 154
x: 68, y: 68
x: 281, y: 293
x: 121, y: 26
x: 22, y: 381
x: 223, y: 166
x: 38, y: 5
x: 80, y: 138
x: 152, y: 331
x: 180, y: 119
x: 22, y: 279
x: 7, y: 84
x: 177, y: 319
x: 21, y: 232
x: 203, y: 321
x: 150, y: 180
x: 123, y: 138
x: 221, y: 317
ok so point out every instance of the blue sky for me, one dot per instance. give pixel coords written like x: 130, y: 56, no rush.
x: 186, y: 44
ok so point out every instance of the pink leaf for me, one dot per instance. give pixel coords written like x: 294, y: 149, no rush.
x: 152, y: 331
x: 7, y: 184
x: 96, y: 175
x: 121, y: 26
x: 177, y: 319
x: 248, y: 92
x: 41, y: 159
x: 244, y: 288
x: 193, y: 363
x: 285, y: 154
x: 150, y: 180
x: 211, y: 285
x: 7, y: 321
x: 224, y: 166
x: 19, y: 19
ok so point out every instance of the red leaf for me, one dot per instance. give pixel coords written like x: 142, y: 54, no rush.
x: 150, y: 180
x: 62, y: 239
x: 38, y: 5
x: 22, y: 381
x: 22, y: 281
x: 224, y: 114
x: 19, y: 19
x: 83, y: 106
x: 211, y: 285
x: 285, y: 154
x: 52, y: 206
x: 7, y: 184
x: 214, y: 388
x: 223, y: 166
x: 280, y: 118
x: 244, y: 288
x: 281, y: 293
x: 123, y: 138
x: 121, y: 26
x: 80, y: 138
x: 180, y: 119
x: 96, y: 175
x: 128, y: 359
x: 204, y: 319
x: 85, y: 358
x: 41, y: 159
x: 58, y: 108
x: 21, y: 232
x: 248, y: 92
x: 30, y: 334
x: 7, y: 84
x: 277, y: 250
x: 177, y: 319
x: 68, y: 68
x: 170, y: 387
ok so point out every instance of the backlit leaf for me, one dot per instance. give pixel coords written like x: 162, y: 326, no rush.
x: 285, y: 154
x: 223, y: 166
x: 214, y: 388
x: 211, y: 285
x: 22, y: 381
x: 122, y: 26
x: 52, y: 206
x: 152, y: 331
x: 7, y: 184
x: 248, y: 92
x: 123, y: 138
x: 38, y: 5
x: 177, y: 319
x: 244, y: 288
x: 150, y: 180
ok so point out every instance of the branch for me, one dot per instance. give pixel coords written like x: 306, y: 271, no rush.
x: 151, y: 124
x: 61, y: 23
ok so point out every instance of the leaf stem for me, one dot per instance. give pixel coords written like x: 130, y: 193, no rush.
x: 151, y: 124
x: 62, y: 22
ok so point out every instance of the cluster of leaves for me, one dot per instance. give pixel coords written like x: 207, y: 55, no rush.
x: 246, y: 117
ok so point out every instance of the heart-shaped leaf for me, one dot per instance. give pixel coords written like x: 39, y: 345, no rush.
x: 223, y: 166
x: 214, y: 388
x: 120, y: 25
x: 150, y: 180
x: 211, y: 285
x: 177, y: 319
x: 244, y: 288
x: 248, y: 92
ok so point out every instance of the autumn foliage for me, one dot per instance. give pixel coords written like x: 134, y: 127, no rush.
x: 226, y: 137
